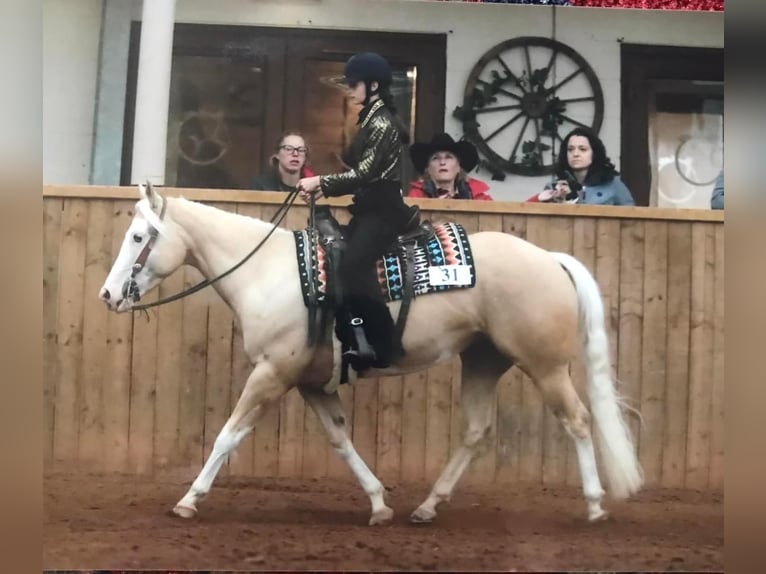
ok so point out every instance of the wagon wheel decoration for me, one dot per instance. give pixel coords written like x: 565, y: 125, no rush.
x: 524, y: 78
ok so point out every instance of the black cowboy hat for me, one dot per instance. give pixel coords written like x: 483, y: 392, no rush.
x: 421, y: 152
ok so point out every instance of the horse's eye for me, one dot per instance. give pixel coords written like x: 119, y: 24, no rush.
x: 137, y: 238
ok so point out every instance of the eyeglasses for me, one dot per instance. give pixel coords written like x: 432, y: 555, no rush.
x: 292, y: 149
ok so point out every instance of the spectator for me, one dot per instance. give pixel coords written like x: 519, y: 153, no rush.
x: 584, y: 174
x: 288, y: 165
x: 444, y: 164
x: 716, y: 201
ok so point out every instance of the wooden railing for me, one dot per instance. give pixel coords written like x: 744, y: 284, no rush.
x: 138, y: 394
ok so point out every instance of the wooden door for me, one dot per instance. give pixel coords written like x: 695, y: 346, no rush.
x: 226, y: 105
x: 650, y: 79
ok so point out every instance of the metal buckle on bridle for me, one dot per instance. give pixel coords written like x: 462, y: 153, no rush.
x: 133, y: 292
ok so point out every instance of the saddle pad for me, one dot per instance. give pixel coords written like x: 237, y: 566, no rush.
x: 308, y: 264
x: 442, y: 262
x: 437, y: 260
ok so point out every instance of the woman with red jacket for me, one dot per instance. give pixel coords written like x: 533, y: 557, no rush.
x: 444, y: 164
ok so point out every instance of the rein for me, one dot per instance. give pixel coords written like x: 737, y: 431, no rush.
x: 131, y: 289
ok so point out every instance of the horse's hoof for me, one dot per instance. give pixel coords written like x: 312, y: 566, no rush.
x: 422, y: 516
x: 381, y: 517
x: 598, y: 516
x: 184, y: 511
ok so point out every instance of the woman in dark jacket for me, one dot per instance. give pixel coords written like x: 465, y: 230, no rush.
x: 288, y: 165
x: 585, y: 174
x: 378, y: 211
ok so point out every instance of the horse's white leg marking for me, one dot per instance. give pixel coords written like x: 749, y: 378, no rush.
x: 560, y: 396
x: 482, y: 367
x: 330, y: 412
x: 263, y: 387
x: 590, y: 481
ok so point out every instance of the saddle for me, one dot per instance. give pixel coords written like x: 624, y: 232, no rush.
x: 332, y: 238
x: 423, y: 259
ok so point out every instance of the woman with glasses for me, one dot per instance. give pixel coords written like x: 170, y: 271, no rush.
x: 288, y: 165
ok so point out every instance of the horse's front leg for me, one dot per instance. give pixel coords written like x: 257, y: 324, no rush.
x: 329, y: 410
x: 262, y: 389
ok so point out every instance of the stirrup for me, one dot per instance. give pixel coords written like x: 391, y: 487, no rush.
x: 364, y: 350
x: 355, y: 354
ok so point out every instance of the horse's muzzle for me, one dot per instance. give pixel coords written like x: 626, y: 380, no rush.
x: 106, y: 296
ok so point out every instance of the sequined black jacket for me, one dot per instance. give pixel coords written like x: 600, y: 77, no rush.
x: 374, y: 157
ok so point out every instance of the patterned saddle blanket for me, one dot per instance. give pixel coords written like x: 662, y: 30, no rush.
x: 441, y: 261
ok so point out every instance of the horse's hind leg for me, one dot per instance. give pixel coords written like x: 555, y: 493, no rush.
x: 482, y: 366
x: 263, y: 388
x: 561, y: 397
x: 330, y: 412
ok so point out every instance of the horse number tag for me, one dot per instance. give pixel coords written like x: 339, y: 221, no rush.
x: 449, y: 275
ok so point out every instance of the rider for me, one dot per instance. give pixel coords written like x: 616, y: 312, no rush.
x: 378, y: 211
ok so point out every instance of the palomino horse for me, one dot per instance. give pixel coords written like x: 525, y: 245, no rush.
x: 530, y: 308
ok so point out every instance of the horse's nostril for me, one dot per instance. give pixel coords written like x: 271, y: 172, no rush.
x: 105, y: 295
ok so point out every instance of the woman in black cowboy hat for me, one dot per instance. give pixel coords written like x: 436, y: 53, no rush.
x: 378, y: 210
x: 444, y: 163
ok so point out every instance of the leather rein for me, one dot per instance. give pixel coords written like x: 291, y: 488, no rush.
x: 130, y: 287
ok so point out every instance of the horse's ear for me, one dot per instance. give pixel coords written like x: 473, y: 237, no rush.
x: 148, y: 193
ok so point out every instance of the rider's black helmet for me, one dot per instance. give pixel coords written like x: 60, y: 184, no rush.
x: 368, y: 67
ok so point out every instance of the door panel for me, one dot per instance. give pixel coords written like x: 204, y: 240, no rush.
x: 225, y: 109
x: 685, y: 142
x: 216, y: 122
x: 315, y: 94
x: 328, y: 120
x: 649, y: 73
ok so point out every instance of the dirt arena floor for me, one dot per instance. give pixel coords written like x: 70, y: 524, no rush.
x: 116, y: 522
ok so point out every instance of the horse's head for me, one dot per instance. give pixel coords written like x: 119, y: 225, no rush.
x: 151, y: 251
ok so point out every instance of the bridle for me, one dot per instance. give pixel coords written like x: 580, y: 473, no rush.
x: 130, y: 287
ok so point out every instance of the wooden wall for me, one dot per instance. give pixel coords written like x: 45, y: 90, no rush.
x: 143, y: 394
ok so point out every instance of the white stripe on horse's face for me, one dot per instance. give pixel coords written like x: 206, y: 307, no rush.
x: 112, y: 292
x: 166, y: 255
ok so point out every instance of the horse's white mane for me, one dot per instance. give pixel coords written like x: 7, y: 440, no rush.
x: 145, y: 209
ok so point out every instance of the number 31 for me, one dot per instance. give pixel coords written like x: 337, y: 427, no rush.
x: 450, y: 273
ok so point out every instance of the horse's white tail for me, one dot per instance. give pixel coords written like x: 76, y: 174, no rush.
x: 623, y: 470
